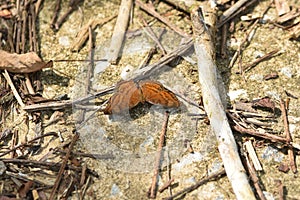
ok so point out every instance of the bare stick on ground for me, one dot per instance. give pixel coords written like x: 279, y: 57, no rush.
x: 207, y: 71
x: 119, y: 30
x: 62, y: 167
x: 234, y: 10
x: 28, y: 142
x: 151, y: 11
x: 288, y: 136
x: 153, y: 189
x: 55, y: 14
x: 83, y: 33
x: 90, y: 68
x: 254, y: 177
x: 13, y: 88
x: 258, y: 60
x: 198, y: 184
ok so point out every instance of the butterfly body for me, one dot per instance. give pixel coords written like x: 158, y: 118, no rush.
x: 129, y: 94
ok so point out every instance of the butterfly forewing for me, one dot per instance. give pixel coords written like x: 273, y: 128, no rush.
x: 127, y: 95
x: 155, y: 93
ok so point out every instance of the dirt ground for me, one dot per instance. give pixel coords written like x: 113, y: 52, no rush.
x: 131, y: 141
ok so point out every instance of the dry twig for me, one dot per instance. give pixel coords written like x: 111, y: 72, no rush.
x: 162, y: 138
x: 119, y: 30
x: 83, y: 33
x: 214, y: 108
x: 288, y: 136
x: 254, y: 177
x: 234, y: 10
x: 149, y: 9
x: 28, y: 142
x: 63, y: 166
x: 13, y: 88
x: 258, y: 60
x: 198, y: 184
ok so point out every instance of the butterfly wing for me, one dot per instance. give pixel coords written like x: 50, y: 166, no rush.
x: 155, y: 93
x: 127, y: 95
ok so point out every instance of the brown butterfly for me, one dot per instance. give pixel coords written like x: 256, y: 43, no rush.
x: 129, y: 94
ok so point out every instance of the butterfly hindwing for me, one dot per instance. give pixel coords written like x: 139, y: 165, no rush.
x: 155, y: 93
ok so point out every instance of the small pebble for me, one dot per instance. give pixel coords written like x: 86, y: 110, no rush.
x: 268, y: 195
x: 126, y: 71
x: 287, y: 72
x: 235, y: 94
x: 64, y: 41
x: 115, y: 190
x: 187, y: 160
x: 272, y: 154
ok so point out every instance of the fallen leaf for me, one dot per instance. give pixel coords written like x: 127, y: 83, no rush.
x: 6, y: 14
x: 22, y: 63
x: 25, y: 189
x: 273, y: 75
x: 283, y: 167
x: 265, y: 102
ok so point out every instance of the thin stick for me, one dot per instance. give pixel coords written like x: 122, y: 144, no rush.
x: 28, y: 142
x: 63, y: 60
x: 89, y: 72
x: 24, y: 20
x: 162, y: 138
x: 150, y: 10
x: 267, y: 136
x: 72, y: 7
x: 18, y: 30
x: 14, y: 90
x: 288, y: 136
x: 29, y: 85
x: 252, y: 155
x: 233, y: 11
x: 83, y: 33
x: 166, y: 185
x: 213, y: 105
x: 263, y: 58
x: 63, y: 166
x: 180, y: 5
x: 119, y: 30
x: 37, y: 6
x: 30, y: 32
x: 66, y: 103
x: 34, y: 34
x: 14, y: 141
x: 223, y: 50
x: 53, y: 166
x: 89, y: 155
x: 254, y: 177
x: 155, y: 67
x: 198, y: 184
x: 55, y: 14
x: 152, y: 35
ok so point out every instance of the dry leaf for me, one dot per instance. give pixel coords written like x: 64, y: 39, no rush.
x: 265, y: 102
x: 6, y: 14
x: 272, y: 75
x: 22, y: 63
x: 25, y: 189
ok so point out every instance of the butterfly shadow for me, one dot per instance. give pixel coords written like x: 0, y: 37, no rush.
x: 141, y: 110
